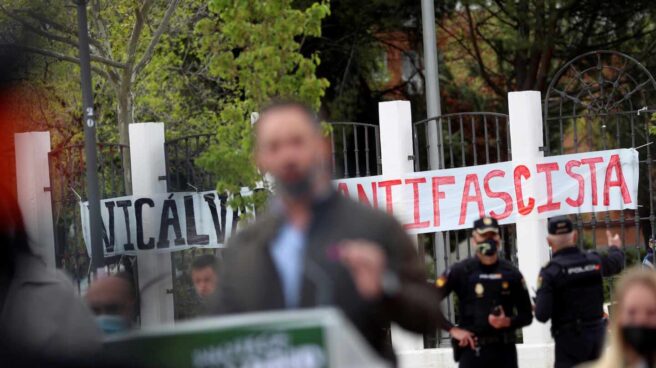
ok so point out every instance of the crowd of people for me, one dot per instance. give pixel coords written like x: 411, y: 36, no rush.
x: 314, y: 247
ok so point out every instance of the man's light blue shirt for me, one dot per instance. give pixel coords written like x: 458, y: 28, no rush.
x: 287, y: 251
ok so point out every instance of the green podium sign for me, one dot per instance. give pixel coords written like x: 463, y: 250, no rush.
x: 294, y: 339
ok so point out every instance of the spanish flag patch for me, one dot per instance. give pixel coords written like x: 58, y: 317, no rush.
x: 440, y: 281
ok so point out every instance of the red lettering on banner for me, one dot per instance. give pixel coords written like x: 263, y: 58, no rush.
x: 437, y: 195
x: 521, y: 171
x: 500, y: 195
x: 342, y: 187
x: 362, y: 195
x: 591, y: 162
x: 615, y: 165
x: 388, y: 184
x: 547, y: 168
x: 416, y: 224
x: 471, y: 180
x: 579, y: 178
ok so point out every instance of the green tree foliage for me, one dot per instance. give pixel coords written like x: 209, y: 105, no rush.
x: 253, y: 48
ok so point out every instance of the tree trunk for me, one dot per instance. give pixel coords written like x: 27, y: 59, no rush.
x: 124, y: 113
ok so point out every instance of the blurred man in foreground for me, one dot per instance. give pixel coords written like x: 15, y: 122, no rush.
x: 204, y: 275
x: 315, y: 247
x: 571, y: 293
x: 112, y: 300
x: 494, y: 302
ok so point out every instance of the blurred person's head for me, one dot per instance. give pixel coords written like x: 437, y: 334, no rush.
x: 113, y: 301
x: 486, y: 239
x: 205, y: 275
x: 633, y: 321
x: 290, y: 146
x: 561, y: 233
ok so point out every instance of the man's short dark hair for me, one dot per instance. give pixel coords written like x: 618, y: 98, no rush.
x: 205, y: 260
x: 287, y: 103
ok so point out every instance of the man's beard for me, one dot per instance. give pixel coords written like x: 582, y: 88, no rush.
x: 300, y: 188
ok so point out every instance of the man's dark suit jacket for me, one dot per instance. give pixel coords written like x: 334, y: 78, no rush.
x: 249, y: 280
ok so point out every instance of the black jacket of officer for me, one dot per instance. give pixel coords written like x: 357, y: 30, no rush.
x: 493, y: 302
x: 570, y: 293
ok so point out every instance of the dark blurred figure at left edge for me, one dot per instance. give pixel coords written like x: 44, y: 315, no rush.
x: 43, y: 323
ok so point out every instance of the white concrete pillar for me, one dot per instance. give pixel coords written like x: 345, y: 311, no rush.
x: 395, y: 120
x: 155, y: 276
x: 33, y: 190
x: 525, y: 110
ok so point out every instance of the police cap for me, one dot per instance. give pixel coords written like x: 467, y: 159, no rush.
x: 560, y: 225
x: 486, y: 224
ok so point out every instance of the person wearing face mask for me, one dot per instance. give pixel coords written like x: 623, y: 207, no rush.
x: 571, y: 293
x: 632, y: 337
x: 494, y: 302
x: 112, y: 300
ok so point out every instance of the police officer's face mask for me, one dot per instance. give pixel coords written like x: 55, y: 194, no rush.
x: 487, y: 247
x: 642, y: 339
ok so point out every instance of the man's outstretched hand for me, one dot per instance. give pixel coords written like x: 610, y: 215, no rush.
x: 613, y: 240
x: 367, y: 262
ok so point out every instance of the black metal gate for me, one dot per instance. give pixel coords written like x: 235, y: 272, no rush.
x: 356, y: 149
x: 68, y: 186
x: 604, y: 100
x: 468, y: 139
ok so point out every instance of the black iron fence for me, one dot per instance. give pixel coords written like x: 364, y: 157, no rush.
x: 182, y: 173
x: 356, y: 149
x: 467, y: 138
x: 68, y: 187
x: 355, y: 146
x: 604, y: 100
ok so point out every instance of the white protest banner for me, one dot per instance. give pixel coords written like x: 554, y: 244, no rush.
x: 442, y: 200
x: 182, y: 220
x: 424, y: 202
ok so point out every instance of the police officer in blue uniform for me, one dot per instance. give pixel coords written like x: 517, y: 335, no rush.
x: 571, y: 294
x: 493, y: 302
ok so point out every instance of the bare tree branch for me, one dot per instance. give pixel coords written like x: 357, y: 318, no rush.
x: 136, y: 32
x: 54, y: 37
x: 156, y: 36
x: 38, y: 31
x: 102, y: 30
x: 56, y: 55
x: 60, y: 27
x: 478, y: 57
